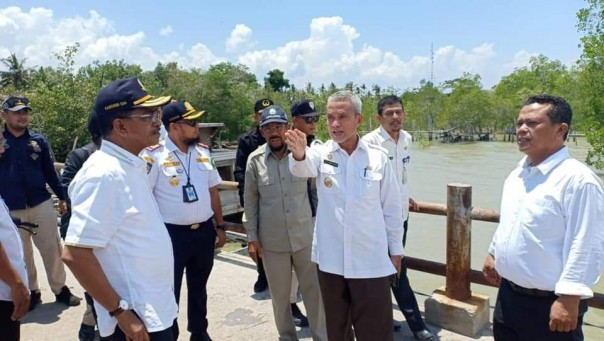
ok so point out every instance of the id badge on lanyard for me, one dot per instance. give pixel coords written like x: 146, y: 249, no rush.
x: 188, y: 193
x: 405, y: 162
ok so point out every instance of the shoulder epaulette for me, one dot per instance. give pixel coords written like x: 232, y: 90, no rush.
x: 152, y: 148
x: 203, y: 145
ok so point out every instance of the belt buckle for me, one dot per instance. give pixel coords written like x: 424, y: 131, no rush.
x: 194, y: 226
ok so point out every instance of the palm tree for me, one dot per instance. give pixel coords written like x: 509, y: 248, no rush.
x: 17, y: 74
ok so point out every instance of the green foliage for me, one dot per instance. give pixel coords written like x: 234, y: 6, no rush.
x: 276, y: 81
x: 591, y: 23
x: 17, y: 75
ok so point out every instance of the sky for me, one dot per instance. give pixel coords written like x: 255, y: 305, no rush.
x: 383, y: 42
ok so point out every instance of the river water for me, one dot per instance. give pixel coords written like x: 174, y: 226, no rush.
x: 484, y: 165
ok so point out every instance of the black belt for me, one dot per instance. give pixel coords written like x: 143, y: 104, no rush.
x: 191, y: 227
x: 530, y: 292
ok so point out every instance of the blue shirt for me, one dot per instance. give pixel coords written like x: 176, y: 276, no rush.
x: 25, y: 169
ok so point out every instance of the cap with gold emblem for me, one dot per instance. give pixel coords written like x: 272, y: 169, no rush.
x: 125, y: 94
x: 261, y: 104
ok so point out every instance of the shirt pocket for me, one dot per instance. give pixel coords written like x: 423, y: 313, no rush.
x: 542, y: 218
x: 171, y: 171
x: 369, y: 183
x: 204, y: 163
x: 267, y: 185
x: 330, y: 180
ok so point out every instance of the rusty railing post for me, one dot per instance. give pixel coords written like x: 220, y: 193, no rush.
x: 459, y: 229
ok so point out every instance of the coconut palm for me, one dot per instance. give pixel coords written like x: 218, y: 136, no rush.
x: 17, y: 74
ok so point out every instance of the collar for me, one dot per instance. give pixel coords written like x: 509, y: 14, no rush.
x: 548, y: 164
x: 122, y: 154
x: 172, y: 147
x: 333, y: 146
x: 27, y: 134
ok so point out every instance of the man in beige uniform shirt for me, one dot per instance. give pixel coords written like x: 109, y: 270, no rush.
x: 278, y: 220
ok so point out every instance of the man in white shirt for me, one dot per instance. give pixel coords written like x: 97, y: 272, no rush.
x: 184, y: 180
x: 391, y: 136
x: 548, y: 250
x: 117, y: 245
x: 14, y: 292
x: 359, y: 223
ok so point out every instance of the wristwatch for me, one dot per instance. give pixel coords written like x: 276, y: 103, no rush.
x: 121, y: 307
x: 221, y: 226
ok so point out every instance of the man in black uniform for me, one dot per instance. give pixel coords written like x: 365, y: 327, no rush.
x: 73, y: 163
x: 26, y: 167
x: 248, y: 142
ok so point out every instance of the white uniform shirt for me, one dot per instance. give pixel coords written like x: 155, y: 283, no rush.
x: 359, y: 213
x: 168, y: 174
x: 551, y: 231
x: 11, y: 242
x: 115, y: 214
x: 399, y: 157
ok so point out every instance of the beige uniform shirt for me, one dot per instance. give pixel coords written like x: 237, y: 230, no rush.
x: 277, y: 208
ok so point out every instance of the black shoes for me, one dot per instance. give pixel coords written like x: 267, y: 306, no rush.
x: 86, y: 333
x: 423, y: 335
x: 35, y: 299
x: 200, y: 337
x: 299, y: 319
x: 67, y: 298
x: 261, y: 284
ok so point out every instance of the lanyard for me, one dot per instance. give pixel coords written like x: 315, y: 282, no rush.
x: 187, y: 170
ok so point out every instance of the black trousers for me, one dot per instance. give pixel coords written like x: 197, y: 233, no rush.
x: 521, y: 317
x: 164, y: 335
x: 9, y: 329
x: 405, y: 298
x: 363, y: 304
x: 194, y: 251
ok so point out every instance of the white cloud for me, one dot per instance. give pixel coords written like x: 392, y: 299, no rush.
x: 166, y: 31
x: 240, y: 39
x: 330, y: 53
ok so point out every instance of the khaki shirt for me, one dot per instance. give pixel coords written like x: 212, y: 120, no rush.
x: 277, y: 208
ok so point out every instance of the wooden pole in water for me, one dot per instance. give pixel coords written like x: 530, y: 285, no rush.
x: 459, y: 228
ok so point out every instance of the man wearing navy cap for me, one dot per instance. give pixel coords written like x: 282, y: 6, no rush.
x: 184, y: 180
x: 279, y: 226
x: 248, y: 142
x: 117, y: 245
x: 26, y: 167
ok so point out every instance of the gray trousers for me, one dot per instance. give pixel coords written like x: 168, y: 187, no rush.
x: 47, y: 241
x: 278, y: 267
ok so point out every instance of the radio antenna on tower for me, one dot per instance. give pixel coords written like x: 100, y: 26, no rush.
x: 432, y: 63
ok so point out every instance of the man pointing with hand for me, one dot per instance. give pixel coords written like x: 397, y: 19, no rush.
x: 359, y: 223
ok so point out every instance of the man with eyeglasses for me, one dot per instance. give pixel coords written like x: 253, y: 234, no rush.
x: 248, y: 142
x: 184, y: 180
x: 117, y: 245
x: 391, y: 136
x: 26, y: 167
x: 279, y: 226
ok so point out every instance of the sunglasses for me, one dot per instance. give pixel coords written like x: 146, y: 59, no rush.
x: 310, y: 119
x: 190, y: 123
x: 12, y: 102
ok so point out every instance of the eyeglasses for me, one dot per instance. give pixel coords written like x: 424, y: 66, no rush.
x: 274, y: 127
x: 12, y: 102
x: 310, y: 119
x: 390, y: 113
x: 190, y: 123
x: 155, y: 116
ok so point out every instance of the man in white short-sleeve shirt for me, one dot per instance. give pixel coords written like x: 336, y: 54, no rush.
x: 117, y: 245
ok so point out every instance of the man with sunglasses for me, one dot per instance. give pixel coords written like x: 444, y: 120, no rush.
x: 279, y: 226
x: 248, y: 142
x: 26, y: 167
x: 397, y: 142
x: 14, y: 292
x: 184, y: 180
x: 117, y: 245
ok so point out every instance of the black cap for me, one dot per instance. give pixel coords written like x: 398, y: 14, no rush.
x: 304, y: 108
x: 14, y: 103
x: 273, y: 114
x: 125, y: 94
x: 261, y: 104
x: 177, y: 111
